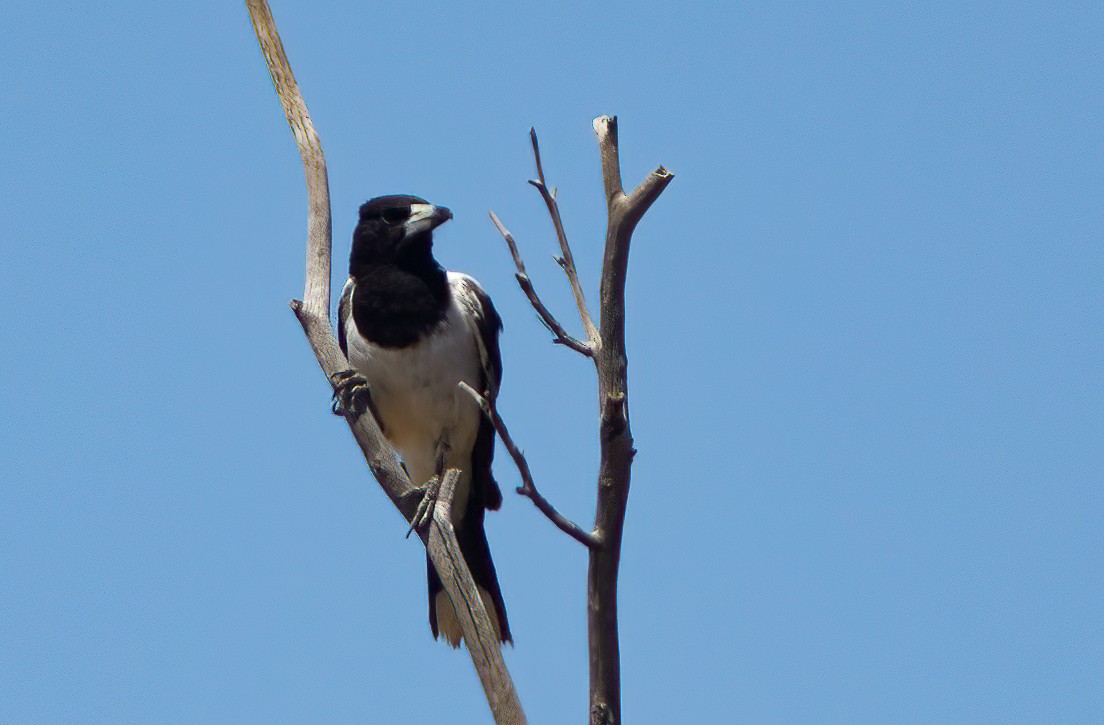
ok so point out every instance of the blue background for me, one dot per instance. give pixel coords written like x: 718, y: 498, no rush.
x: 864, y: 328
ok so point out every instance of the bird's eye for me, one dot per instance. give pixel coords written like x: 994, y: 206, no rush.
x: 394, y: 216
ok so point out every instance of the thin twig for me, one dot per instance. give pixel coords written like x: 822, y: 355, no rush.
x: 566, y: 260
x: 526, y: 284
x: 528, y: 488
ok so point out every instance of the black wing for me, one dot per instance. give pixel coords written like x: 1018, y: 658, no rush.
x: 489, y: 325
x: 485, y: 493
x: 486, y: 326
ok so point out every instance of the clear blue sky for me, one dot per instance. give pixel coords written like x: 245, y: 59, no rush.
x: 865, y: 338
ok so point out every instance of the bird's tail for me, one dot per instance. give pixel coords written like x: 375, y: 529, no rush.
x: 477, y: 555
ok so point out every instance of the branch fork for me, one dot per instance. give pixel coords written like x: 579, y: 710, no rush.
x: 605, y: 345
x: 561, y: 336
x: 566, y: 262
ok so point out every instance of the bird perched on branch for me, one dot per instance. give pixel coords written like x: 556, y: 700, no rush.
x: 412, y: 332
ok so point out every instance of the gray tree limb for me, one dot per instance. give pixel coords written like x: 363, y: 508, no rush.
x: 313, y: 313
x: 615, y: 435
x: 606, y: 346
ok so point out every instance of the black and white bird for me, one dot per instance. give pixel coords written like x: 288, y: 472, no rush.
x: 415, y: 331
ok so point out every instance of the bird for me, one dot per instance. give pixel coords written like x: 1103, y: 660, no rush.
x: 412, y: 332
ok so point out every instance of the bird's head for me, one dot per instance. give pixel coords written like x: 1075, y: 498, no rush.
x: 396, y: 230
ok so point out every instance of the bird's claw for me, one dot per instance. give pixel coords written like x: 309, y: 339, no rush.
x: 424, y: 513
x: 351, y: 393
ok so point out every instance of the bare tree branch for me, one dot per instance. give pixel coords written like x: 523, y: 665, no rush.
x: 314, y: 315
x: 316, y: 296
x: 566, y: 260
x: 526, y: 284
x: 528, y: 487
x: 607, y: 348
x: 617, y: 450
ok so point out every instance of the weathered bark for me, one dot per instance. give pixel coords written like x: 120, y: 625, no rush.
x: 606, y: 346
x: 313, y: 313
x: 615, y: 433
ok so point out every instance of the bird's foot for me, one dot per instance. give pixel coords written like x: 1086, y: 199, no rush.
x: 351, y: 394
x: 424, y: 513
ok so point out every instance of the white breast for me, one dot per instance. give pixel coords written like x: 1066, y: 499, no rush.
x: 415, y: 390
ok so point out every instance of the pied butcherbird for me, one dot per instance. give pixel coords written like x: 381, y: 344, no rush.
x: 412, y: 332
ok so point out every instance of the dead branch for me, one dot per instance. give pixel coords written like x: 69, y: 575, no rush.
x: 314, y: 315
x: 615, y: 434
x: 528, y: 487
x: 566, y: 260
x: 607, y: 347
x: 526, y: 284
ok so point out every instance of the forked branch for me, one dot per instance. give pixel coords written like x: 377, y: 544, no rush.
x: 607, y: 347
x: 526, y: 284
x: 615, y: 435
x: 566, y: 260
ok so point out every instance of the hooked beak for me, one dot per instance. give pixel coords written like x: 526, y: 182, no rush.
x: 425, y: 217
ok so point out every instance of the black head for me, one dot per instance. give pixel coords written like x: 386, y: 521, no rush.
x: 396, y: 230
